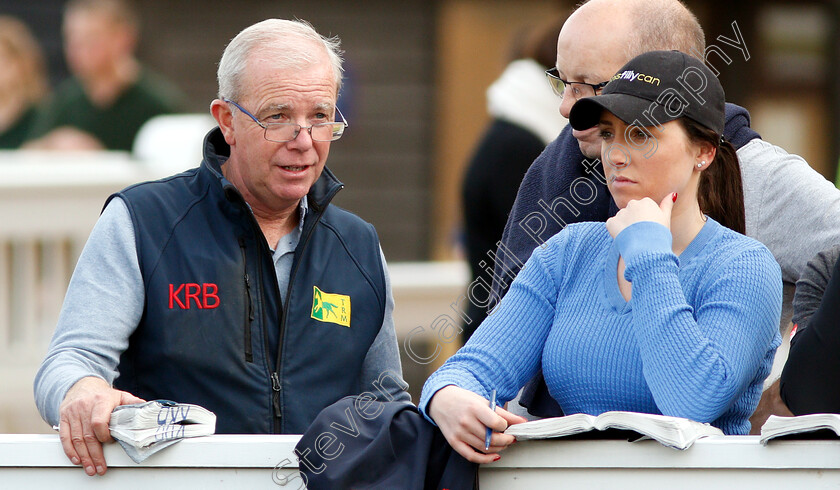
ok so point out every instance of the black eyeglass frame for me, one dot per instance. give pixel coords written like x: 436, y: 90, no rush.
x: 553, y: 74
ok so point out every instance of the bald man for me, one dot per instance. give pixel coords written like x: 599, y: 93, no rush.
x: 789, y: 207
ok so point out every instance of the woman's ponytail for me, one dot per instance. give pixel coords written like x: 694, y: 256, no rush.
x: 720, y: 193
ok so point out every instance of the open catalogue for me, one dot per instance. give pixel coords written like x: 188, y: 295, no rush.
x: 145, y: 428
x: 808, y: 425
x: 675, y: 432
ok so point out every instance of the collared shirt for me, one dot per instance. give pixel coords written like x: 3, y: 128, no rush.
x: 283, y: 252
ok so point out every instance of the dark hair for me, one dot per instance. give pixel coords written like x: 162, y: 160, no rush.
x: 720, y: 193
x: 541, y: 44
x: 537, y: 42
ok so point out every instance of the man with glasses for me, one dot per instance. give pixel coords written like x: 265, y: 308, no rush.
x: 237, y: 285
x: 789, y: 207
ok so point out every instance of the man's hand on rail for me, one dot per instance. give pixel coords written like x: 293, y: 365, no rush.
x: 84, y: 417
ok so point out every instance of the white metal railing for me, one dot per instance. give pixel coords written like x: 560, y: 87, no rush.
x: 725, y: 462
x: 49, y: 202
x: 220, y: 461
x: 268, y: 461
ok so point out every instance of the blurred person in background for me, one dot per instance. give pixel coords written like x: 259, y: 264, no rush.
x: 110, y: 95
x: 23, y: 81
x: 809, y: 379
x: 525, y: 120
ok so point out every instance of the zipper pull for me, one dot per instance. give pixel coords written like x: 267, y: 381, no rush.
x: 250, y: 301
x: 275, y: 386
x: 249, y: 318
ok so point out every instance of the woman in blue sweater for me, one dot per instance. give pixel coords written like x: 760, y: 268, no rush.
x: 667, y: 309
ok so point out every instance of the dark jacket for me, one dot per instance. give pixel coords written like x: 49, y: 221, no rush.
x: 359, y: 443
x: 488, y: 190
x: 561, y: 187
x: 214, y: 331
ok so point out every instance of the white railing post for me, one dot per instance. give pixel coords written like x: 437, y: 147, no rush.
x: 24, y: 293
x: 5, y: 295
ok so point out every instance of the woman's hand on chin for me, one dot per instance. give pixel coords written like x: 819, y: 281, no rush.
x: 642, y: 210
x: 463, y: 417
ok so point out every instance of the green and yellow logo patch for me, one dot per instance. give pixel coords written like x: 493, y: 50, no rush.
x: 330, y: 308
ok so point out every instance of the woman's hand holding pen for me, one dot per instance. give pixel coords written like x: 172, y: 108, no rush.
x: 463, y: 417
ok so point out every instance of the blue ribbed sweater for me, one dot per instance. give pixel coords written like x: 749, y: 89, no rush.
x: 696, y: 340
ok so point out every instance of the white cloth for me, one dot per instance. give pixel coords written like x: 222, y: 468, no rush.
x: 522, y: 96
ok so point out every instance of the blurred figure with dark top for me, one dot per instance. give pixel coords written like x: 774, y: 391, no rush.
x: 110, y: 94
x: 808, y: 383
x: 525, y: 120
x: 23, y: 81
x: 809, y: 379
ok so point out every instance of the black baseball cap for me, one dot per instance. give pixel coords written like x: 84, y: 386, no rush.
x: 654, y: 88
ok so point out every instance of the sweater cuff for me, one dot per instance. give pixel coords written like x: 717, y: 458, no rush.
x: 424, y: 400
x: 643, y: 237
x: 443, y: 377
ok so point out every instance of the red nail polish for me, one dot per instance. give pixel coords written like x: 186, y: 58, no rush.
x: 674, y: 199
x: 497, y: 458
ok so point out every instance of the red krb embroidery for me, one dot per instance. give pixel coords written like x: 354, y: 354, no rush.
x: 205, y: 295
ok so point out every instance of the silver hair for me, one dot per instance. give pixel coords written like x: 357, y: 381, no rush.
x: 284, y: 38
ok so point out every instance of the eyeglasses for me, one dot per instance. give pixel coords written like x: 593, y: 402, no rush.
x: 580, y: 90
x: 283, y: 132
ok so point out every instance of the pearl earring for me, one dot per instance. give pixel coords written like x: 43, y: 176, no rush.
x: 701, y: 164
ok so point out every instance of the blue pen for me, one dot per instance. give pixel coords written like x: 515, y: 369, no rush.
x: 489, y: 432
